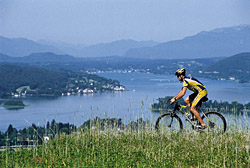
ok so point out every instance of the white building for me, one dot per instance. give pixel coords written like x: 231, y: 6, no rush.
x: 85, y: 91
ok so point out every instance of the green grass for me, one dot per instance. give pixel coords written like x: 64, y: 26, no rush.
x: 144, y: 148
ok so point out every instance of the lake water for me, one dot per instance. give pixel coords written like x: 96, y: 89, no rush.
x: 143, y: 90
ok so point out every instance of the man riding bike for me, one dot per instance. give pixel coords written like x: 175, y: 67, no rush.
x: 194, y: 99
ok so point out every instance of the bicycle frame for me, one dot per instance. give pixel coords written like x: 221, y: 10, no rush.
x: 179, y: 108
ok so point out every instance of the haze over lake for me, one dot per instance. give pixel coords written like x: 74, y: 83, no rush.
x: 143, y: 90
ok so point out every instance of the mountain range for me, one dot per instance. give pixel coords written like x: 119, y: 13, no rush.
x: 221, y: 42
x: 19, y: 47
x: 118, y: 48
x: 39, y: 58
x: 49, y: 57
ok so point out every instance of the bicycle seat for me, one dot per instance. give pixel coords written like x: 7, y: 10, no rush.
x: 204, y: 99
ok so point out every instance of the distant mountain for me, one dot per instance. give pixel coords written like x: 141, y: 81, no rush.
x: 114, y: 48
x: 48, y: 57
x: 71, y: 49
x: 6, y: 58
x: 18, y: 47
x: 39, y: 58
x: 236, y: 67
x: 101, y: 50
x: 220, y: 42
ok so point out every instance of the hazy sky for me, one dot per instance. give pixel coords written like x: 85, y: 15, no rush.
x: 95, y: 21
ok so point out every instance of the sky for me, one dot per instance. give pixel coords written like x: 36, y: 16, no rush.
x: 101, y: 21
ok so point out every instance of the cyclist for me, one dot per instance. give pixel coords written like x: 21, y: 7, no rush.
x: 194, y: 99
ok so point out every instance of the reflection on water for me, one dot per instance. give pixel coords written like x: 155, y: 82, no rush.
x: 131, y: 105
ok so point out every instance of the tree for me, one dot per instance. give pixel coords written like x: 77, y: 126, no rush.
x: 53, y: 125
x: 10, y: 130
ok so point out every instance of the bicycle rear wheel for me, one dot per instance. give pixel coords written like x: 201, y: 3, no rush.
x: 215, y: 121
x: 169, y: 122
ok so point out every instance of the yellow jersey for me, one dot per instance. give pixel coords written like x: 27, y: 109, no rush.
x: 193, y: 84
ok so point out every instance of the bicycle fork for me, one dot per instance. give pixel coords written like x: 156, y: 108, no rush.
x: 172, y: 117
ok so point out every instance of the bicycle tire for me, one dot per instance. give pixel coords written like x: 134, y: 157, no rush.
x: 215, y: 121
x: 176, y: 124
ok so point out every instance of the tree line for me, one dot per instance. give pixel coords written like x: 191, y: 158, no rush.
x: 230, y: 108
x: 34, y: 135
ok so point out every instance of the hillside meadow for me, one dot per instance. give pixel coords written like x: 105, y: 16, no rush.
x: 135, y: 148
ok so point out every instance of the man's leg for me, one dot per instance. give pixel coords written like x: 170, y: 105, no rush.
x: 197, y: 115
x: 187, y: 101
x: 195, y: 102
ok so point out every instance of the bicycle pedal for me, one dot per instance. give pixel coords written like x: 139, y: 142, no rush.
x: 200, y: 128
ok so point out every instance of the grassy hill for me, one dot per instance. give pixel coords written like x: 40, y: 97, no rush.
x: 144, y: 148
x: 109, y: 143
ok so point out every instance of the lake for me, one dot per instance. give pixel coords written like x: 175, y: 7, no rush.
x: 143, y: 90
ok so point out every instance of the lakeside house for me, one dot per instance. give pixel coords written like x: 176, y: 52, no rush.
x: 119, y: 88
x: 85, y: 91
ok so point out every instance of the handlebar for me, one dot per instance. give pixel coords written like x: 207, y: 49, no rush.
x: 177, y: 105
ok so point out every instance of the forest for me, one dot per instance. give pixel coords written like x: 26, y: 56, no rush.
x: 26, y: 80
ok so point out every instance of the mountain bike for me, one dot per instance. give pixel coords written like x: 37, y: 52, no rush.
x: 215, y: 121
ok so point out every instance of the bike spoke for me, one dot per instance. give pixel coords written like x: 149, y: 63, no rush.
x: 168, y: 123
x: 215, y: 122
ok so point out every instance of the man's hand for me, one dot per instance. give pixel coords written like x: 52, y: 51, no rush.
x: 172, y: 100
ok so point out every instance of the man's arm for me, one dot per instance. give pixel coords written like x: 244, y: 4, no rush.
x: 179, y: 95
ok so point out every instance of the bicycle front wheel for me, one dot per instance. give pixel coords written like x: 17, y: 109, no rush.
x: 216, y: 122
x: 169, y: 122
